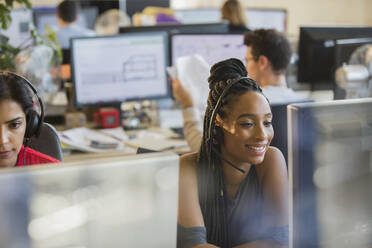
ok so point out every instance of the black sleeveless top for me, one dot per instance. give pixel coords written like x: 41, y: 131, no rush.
x: 244, y: 212
x: 244, y: 219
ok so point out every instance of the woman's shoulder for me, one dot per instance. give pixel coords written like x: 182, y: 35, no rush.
x: 273, y: 161
x: 189, y: 161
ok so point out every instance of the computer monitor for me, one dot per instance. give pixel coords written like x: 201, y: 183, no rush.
x: 133, y: 6
x: 345, y: 47
x: 126, y: 201
x: 330, y: 173
x: 267, y: 18
x: 220, y: 27
x: 113, y: 69
x: 47, y: 16
x: 316, y: 51
x: 198, y: 15
x: 212, y: 47
x: 18, y: 32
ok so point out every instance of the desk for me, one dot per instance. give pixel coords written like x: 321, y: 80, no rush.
x: 180, y: 148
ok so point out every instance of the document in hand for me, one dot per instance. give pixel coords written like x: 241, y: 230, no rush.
x: 193, y: 73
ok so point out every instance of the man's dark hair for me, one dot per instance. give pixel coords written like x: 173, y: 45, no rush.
x: 273, y: 45
x: 68, y: 10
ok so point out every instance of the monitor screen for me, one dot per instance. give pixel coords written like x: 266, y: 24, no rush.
x: 108, y: 69
x: 18, y: 32
x: 212, y: 47
x: 47, y: 16
x: 198, y: 15
x: 219, y: 27
x: 267, y: 18
x: 125, y: 201
x: 330, y: 173
x: 317, y: 63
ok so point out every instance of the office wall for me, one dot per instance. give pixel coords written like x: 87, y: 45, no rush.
x: 300, y: 12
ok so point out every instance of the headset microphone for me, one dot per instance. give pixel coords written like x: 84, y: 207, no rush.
x: 227, y: 161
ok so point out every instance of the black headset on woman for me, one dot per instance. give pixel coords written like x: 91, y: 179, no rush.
x: 34, y: 120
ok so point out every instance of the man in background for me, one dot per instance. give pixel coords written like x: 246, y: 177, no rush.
x: 67, y: 15
x: 267, y: 58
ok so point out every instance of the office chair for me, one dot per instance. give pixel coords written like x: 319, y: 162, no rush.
x: 48, y: 142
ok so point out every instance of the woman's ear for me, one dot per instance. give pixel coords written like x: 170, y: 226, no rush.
x: 218, y: 122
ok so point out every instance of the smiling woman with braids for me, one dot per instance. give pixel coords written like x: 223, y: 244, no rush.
x: 234, y: 192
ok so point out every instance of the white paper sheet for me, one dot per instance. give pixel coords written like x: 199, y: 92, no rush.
x: 81, y: 139
x: 193, y: 73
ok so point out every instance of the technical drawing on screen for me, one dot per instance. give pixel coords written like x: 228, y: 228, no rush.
x: 122, y: 67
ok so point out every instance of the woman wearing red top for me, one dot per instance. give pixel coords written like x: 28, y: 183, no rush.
x: 16, y: 103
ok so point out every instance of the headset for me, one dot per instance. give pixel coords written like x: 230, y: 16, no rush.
x: 213, y: 119
x: 34, y: 120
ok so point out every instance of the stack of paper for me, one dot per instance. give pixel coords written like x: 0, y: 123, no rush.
x: 88, y: 140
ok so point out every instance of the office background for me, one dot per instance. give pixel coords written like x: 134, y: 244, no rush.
x: 300, y: 12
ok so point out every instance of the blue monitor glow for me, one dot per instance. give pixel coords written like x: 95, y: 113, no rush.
x: 212, y: 47
x: 111, y: 69
x: 330, y: 173
x: 18, y: 32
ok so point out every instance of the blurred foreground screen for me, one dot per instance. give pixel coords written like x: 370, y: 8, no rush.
x: 330, y: 173
x: 113, y: 202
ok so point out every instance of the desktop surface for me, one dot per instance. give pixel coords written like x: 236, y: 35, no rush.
x: 109, y: 202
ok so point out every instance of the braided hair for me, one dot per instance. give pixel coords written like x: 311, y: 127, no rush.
x: 211, y: 184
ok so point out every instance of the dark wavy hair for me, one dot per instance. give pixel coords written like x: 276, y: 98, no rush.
x: 211, y: 186
x: 13, y: 88
x: 272, y: 44
x: 68, y: 10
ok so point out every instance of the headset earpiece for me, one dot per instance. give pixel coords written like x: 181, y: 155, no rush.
x: 32, y: 124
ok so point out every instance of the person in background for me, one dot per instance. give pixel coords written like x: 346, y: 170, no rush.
x: 67, y: 15
x: 233, y: 12
x: 17, y: 123
x: 234, y: 191
x: 267, y: 58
